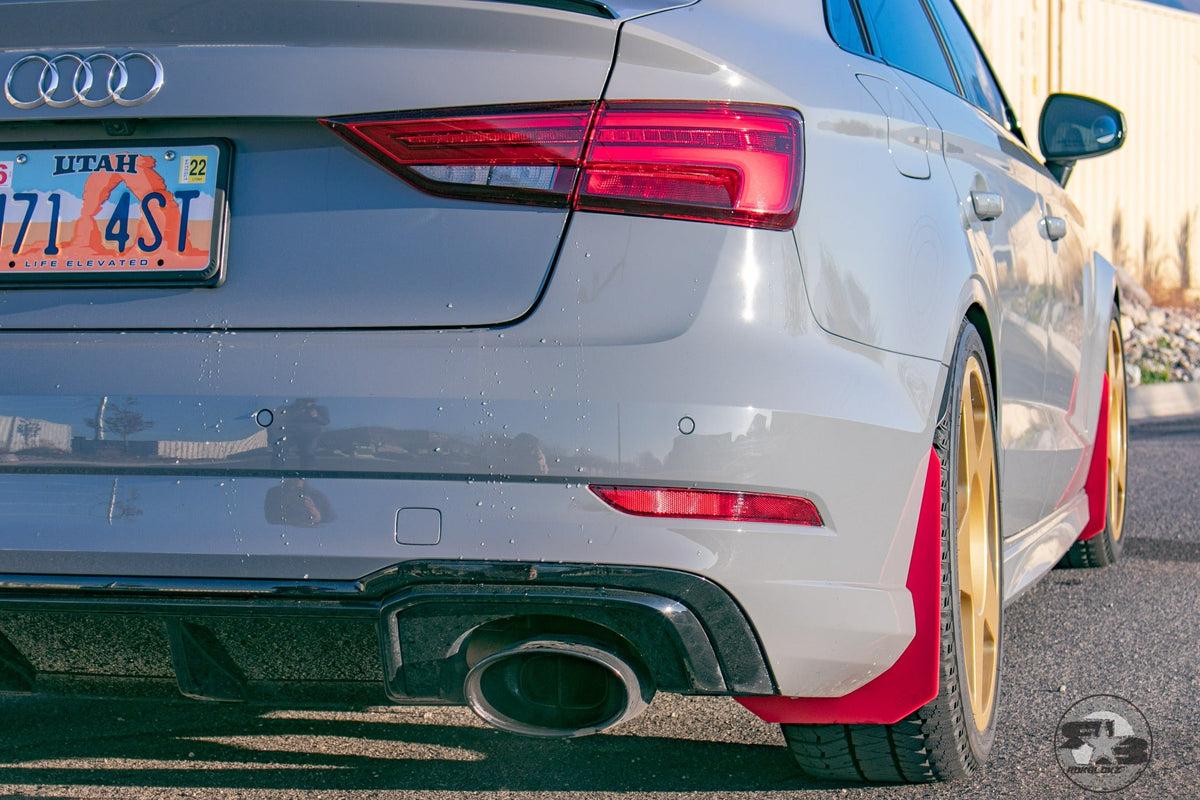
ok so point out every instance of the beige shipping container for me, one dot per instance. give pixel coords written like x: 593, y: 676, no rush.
x: 1142, y: 202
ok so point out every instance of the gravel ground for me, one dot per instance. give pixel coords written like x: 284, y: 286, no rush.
x: 1161, y: 344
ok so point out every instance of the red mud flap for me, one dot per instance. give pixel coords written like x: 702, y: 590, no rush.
x: 1096, y: 486
x: 913, y: 680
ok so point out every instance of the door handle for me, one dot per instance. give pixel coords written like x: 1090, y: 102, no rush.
x: 987, y: 205
x: 1056, y: 228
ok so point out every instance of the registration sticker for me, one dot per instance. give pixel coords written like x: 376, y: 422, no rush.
x: 193, y: 169
x: 129, y: 215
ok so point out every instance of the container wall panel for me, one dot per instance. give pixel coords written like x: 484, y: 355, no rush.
x: 1143, y: 202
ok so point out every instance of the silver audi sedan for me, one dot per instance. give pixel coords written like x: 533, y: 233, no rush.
x: 541, y: 355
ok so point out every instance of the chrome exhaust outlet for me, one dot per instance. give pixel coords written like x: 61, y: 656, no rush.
x: 556, y: 688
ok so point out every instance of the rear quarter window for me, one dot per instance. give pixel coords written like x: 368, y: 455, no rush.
x: 979, y: 84
x: 845, y: 26
x: 904, y: 37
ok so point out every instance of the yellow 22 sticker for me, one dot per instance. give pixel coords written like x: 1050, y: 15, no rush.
x: 193, y: 169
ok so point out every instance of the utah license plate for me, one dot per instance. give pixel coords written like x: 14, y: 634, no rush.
x: 128, y: 215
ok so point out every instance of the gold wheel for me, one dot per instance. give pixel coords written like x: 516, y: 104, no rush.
x: 1117, y: 445
x: 978, y: 539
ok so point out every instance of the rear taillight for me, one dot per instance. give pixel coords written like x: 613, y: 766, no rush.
x: 519, y: 156
x: 740, y: 164
x: 644, y: 501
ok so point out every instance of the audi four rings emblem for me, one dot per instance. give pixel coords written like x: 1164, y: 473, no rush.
x: 94, y: 80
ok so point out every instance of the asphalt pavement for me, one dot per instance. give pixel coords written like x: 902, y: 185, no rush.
x: 1128, y: 631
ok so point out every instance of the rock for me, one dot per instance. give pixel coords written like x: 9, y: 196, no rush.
x: 1131, y: 291
x: 1160, y: 343
x: 1137, y: 313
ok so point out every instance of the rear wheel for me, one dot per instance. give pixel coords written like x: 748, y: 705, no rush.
x: 1105, y: 547
x: 951, y: 736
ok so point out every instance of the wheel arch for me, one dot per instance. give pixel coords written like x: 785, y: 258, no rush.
x: 978, y: 317
x: 976, y: 306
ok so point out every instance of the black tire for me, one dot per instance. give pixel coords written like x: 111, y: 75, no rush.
x: 951, y: 736
x: 1105, y: 547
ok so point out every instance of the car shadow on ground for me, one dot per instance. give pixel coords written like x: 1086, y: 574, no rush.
x: 1162, y: 550
x: 192, y: 746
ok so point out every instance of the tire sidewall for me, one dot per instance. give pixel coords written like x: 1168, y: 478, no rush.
x: 953, y: 688
x: 1116, y: 545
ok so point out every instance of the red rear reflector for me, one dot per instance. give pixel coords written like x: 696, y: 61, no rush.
x: 706, y: 504
x: 740, y: 164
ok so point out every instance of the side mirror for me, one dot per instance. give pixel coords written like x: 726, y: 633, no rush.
x: 1074, y: 127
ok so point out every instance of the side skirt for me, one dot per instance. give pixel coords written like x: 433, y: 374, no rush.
x: 1033, y: 552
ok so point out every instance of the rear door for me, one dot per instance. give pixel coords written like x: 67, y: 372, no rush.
x: 999, y: 186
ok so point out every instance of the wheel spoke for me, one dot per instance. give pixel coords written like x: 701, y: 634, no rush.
x: 976, y: 529
x: 987, y: 461
x: 991, y: 628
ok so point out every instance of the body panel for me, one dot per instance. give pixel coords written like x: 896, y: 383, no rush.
x: 1072, y: 294
x: 1011, y: 254
x: 853, y: 292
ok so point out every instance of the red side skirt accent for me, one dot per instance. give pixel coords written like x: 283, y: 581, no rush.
x: 913, y: 680
x: 1096, y: 487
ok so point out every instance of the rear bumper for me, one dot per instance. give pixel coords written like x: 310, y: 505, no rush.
x: 821, y: 611
x: 398, y: 634
x: 828, y: 604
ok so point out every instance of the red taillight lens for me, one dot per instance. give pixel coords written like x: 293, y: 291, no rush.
x: 705, y: 504
x: 740, y: 164
x: 526, y: 156
x: 723, y: 162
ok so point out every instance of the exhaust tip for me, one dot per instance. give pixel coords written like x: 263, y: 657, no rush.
x: 556, y: 688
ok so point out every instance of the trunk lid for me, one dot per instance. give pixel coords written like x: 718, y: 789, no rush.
x: 310, y: 234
